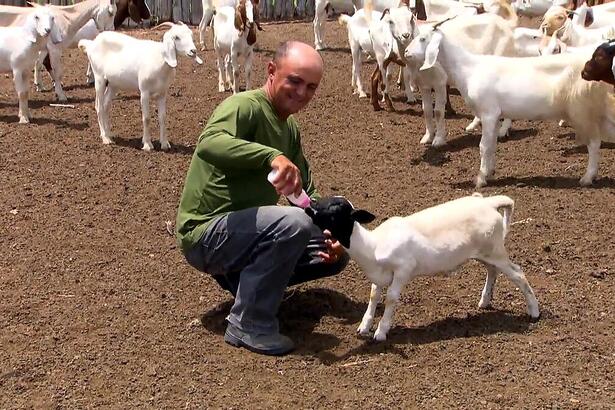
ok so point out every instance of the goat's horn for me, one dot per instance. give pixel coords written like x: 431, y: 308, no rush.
x: 161, y: 25
x: 438, y: 24
x: 181, y: 23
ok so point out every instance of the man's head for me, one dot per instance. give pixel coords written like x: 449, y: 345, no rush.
x: 293, y: 77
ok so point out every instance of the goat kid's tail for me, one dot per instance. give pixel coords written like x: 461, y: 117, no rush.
x: 84, y: 45
x: 507, y: 205
x: 343, y: 19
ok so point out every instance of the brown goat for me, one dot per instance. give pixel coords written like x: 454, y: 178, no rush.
x: 137, y: 10
x: 242, y: 23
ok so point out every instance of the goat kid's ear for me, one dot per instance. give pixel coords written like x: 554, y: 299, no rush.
x: 169, y: 54
x: 238, y: 19
x: 432, y: 50
x: 362, y: 216
x: 384, y: 13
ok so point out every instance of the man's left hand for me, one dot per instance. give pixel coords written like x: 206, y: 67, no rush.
x: 334, y: 249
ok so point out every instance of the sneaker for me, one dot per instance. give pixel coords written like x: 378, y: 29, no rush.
x: 273, y: 344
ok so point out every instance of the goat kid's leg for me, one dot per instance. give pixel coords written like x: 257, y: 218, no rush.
x: 406, y: 76
x: 235, y: 68
x: 427, y: 103
x: 101, y: 87
x: 473, y: 126
x: 391, y: 300
x: 439, y: 109
x: 89, y: 75
x: 162, y: 117
x: 319, y: 16
x: 356, y: 71
x: 228, y: 82
x: 147, y: 139
x: 504, y: 128
x: 368, y: 318
x: 488, y: 144
x: 55, y: 56
x: 38, y: 67
x: 487, y: 295
x: 221, y: 73
x: 593, y: 162
x: 248, y: 69
x: 20, y: 79
x: 387, y: 75
x: 515, y: 274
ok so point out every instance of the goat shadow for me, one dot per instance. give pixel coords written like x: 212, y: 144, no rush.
x: 299, y: 314
x: 14, y: 119
x: 555, y: 182
x: 137, y: 143
x: 486, y: 322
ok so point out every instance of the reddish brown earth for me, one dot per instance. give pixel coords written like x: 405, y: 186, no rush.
x: 98, y: 307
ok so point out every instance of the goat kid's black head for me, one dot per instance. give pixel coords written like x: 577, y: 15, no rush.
x: 600, y: 66
x: 337, y: 215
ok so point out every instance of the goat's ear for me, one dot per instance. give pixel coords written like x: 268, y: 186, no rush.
x: 362, y: 216
x: 238, y: 19
x: 431, y: 53
x: 384, y: 13
x: 168, y: 53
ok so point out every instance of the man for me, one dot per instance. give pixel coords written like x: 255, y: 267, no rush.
x: 228, y: 223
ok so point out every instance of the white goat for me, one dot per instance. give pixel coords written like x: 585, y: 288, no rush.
x: 383, y: 36
x: 556, y: 19
x: 234, y: 36
x: 602, y: 15
x: 547, y: 87
x: 433, y: 241
x: 121, y: 62
x: 19, y: 48
x: 209, y: 9
x: 74, y: 18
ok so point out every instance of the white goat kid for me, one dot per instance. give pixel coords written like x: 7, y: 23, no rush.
x: 121, y: 62
x: 433, y: 241
x: 547, y: 87
x: 234, y: 37
x: 19, y: 48
x: 74, y: 18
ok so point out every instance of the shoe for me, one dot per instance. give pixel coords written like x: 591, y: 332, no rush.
x: 273, y: 344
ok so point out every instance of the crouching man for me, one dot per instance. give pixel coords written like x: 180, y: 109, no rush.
x: 228, y: 224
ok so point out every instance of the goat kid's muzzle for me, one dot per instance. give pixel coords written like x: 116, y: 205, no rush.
x: 192, y: 54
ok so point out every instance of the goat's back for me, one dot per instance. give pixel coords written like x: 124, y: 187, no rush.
x: 482, y: 34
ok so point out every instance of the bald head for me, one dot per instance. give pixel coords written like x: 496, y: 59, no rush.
x: 298, y: 51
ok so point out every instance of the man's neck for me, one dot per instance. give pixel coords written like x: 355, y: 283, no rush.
x: 267, y: 90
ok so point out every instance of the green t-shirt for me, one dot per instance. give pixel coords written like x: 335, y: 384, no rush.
x: 229, y: 168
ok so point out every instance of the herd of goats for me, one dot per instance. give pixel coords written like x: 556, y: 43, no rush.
x: 560, y: 71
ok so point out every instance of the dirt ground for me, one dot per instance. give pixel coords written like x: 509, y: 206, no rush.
x: 99, y: 309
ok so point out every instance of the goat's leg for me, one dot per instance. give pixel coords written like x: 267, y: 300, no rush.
x: 204, y: 23
x: 228, y: 84
x: 235, y: 68
x: 100, y: 86
x: 55, y: 57
x: 368, y: 318
x: 221, y: 73
x: 162, y: 117
x: 20, y: 79
x: 515, y: 274
x: 406, y: 77
x: 439, y: 109
x: 487, y: 295
x: 387, y: 75
x: 488, y: 143
x: 248, y: 69
x: 356, y: 70
x: 593, y: 162
x: 320, y: 14
x: 427, y: 103
x: 376, y: 78
x: 391, y: 300
x: 38, y: 67
x: 473, y: 126
x: 505, y: 127
x: 449, y: 107
x: 89, y: 75
x: 147, y: 139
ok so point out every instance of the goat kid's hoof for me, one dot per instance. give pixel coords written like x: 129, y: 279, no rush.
x: 380, y: 336
x: 586, y: 181
x: 165, y: 146
x: 362, y: 94
x: 480, y: 182
x: 147, y: 147
x: 24, y: 120
x: 363, y: 330
x: 427, y: 139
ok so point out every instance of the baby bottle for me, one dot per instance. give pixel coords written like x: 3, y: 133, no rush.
x: 303, y: 200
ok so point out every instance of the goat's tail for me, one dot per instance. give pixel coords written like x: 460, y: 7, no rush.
x: 84, y: 45
x: 343, y: 19
x: 507, y: 205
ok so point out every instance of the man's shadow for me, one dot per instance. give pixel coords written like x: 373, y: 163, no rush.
x: 299, y: 314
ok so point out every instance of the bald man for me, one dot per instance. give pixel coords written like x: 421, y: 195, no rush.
x: 228, y: 224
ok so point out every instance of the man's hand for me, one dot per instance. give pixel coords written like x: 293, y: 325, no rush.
x: 288, y: 178
x: 334, y: 249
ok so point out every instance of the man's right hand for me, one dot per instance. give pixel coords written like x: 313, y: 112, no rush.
x: 288, y: 178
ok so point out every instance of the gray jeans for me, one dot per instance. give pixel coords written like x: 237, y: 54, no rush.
x: 255, y: 254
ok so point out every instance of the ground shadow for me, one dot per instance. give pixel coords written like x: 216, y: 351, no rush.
x: 344, y: 50
x: 14, y: 119
x: 299, y: 314
x: 136, y: 143
x: 555, y: 182
x: 484, y: 323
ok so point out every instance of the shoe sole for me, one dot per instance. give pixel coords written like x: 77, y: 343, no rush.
x: 237, y: 342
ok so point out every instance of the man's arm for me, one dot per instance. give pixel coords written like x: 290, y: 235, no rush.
x: 225, y: 143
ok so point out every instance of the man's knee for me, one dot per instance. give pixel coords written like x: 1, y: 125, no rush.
x: 295, y: 225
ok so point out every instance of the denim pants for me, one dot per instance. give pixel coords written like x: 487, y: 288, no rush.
x: 255, y: 254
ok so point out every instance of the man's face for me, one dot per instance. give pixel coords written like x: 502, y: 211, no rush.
x: 293, y: 83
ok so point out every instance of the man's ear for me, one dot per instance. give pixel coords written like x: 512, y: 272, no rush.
x: 362, y: 216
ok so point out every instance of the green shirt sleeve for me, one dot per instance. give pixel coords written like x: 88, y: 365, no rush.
x: 304, y: 167
x: 227, y: 142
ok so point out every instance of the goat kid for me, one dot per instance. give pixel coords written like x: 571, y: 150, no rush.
x: 121, y: 62
x: 19, y: 48
x: 435, y: 240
